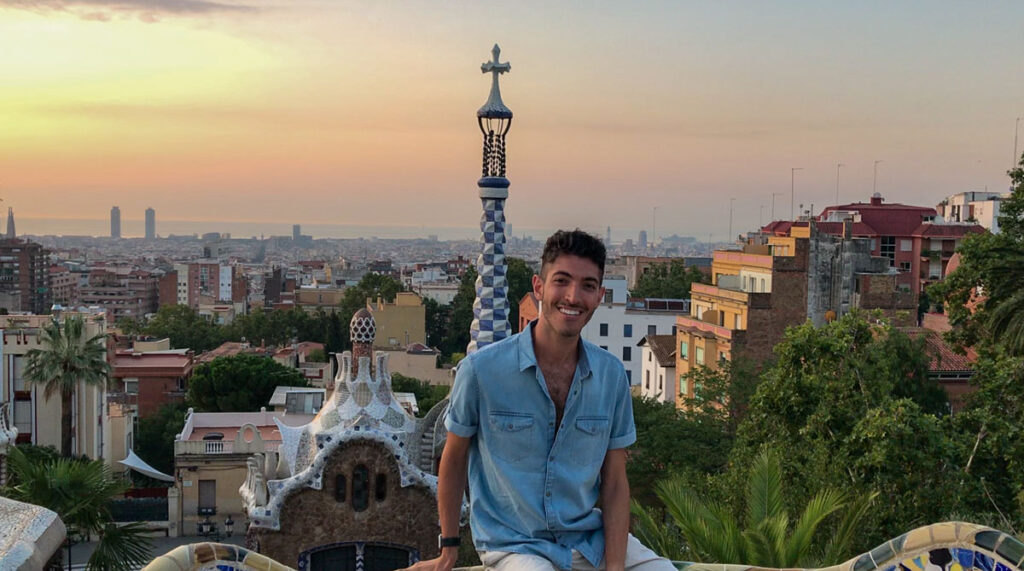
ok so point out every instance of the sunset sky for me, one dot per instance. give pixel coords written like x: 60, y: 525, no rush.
x: 363, y: 112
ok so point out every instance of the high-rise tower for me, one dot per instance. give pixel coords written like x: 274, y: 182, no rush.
x: 115, y: 222
x: 11, y: 233
x: 150, y: 223
x: 490, y: 308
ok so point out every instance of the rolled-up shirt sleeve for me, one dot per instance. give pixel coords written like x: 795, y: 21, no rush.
x: 463, y: 406
x: 623, y: 428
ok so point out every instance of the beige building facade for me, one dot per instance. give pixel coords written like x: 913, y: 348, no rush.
x: 401, y: 323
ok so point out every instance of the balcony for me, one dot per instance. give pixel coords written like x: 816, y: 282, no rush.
x: 218, y: 447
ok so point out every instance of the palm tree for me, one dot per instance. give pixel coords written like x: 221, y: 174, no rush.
x: 68, y: 357
x: 704, y: 530
x: 1005, y: 304
x: 80, y: 491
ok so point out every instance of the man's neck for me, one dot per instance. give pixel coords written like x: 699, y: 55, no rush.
x: 551, y: 348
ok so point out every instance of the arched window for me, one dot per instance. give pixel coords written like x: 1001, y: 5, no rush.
x: 340, y: 485
x: 380, y: 487
x: 360, y: 488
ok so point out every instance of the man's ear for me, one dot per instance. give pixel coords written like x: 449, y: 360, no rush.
x: 603, y: 290
x: 538, y: 286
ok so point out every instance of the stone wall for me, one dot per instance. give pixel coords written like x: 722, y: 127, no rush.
x: 314, y: 518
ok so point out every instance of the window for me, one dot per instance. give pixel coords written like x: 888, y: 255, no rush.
x: 207, y: 494
x: 736, y: 321
x: 360, y: 488
x: 684, y: 349
x: 605, y: 347
x: 131, y: 386
x: 889, y: 249
x: 603, y: 329
x: 650, y: 356
x: 904, y: 266
x: 682, y: 385
x: 380, y: 487
x: 906, y: 245
x: 627, y: 353
x: 721, y: 356
x: 627, y: 330
x: 699, y: 355
x: 652, y: 329
x: 647, y: 379
x: 763, y: 289
x: 609, y: 296
x: 340, y: 488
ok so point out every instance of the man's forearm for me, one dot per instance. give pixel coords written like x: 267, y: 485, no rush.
x: 615, y: 509
x: 451, y: 486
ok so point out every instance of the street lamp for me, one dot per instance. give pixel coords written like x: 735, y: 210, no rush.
x: 731, y: 201
x: 229, y: 526
x: 774, y: 194
x: 1016, y: 157
x: 874, y: 183
x: 838, y: 166
x: 792, y: 194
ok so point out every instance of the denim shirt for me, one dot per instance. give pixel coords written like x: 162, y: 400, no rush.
x: 533, y: 490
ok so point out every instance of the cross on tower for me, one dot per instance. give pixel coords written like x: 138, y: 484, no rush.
x: 494, y: 66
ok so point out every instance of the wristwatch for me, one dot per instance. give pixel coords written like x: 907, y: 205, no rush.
x: 443, y: 541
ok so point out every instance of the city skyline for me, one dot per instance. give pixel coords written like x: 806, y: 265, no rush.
x: 640, y: 117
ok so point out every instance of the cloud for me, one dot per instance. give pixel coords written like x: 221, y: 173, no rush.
x: 144, y: 10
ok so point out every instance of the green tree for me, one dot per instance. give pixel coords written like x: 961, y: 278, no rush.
x: 457, y: 337
x: 240, y: 383
x: 154, y: 438
x: 184, y: 327
x: 436, y: 320
x: 849, y: 406
x: 983, y: 296
x: 317, y: 356
x: 668, y: 281
x: 764, y: 535
x: 520, y: 281
x: 80, y: 491
x: 68, y: 358
x: 427, y: 395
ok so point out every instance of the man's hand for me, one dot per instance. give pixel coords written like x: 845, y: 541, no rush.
x: 615, y: 508
x: 449, y: 555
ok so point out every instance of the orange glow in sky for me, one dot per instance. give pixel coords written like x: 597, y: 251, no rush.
x: 319, y: 111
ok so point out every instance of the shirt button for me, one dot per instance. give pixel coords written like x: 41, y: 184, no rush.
x: 551, y: 459
x: 548, y: 494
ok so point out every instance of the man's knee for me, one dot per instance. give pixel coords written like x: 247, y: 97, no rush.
x: 505, y: 561
x: 640, y: 558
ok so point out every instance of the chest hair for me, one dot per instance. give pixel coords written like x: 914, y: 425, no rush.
x: 558, y: 378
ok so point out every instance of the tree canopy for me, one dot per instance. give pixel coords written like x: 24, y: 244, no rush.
x: 240, y: 383
x: 68, y: 357
x: 669, y: 281
x: 427, y: 395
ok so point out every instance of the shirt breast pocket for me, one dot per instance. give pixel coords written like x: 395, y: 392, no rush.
x: 591, y: 440
x: 513, y: 435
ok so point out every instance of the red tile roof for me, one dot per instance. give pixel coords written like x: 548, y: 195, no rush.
x: 947, y: 230
x: 944, y: 359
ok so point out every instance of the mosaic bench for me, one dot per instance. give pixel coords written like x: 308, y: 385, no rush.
x: 950, y: 546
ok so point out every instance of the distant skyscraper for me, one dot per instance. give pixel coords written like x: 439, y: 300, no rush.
x: 296, y: 231
x: 643, y: 238
x: 490, y: 309
x: 608, y: 236
x: 115, y: 222
x: 11, y: 233
x: 150, y: 224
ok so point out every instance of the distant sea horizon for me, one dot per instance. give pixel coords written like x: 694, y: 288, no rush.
x: 238, y: 229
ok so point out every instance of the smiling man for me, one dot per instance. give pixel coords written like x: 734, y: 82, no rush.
x: 538, y: 425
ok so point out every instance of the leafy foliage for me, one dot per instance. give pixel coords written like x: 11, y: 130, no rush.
x: 68, y: 357
x: 80, y: 492
x: 765, y: 535
x: 427, y: 395
x: 671, y: 281
x: 456, y: 338
x: 184, y: 327
x: 849, y: 406
x: 154, y: 437
x: 239, y: 383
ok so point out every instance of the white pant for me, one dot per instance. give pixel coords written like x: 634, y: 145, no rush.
x: 638, y: 558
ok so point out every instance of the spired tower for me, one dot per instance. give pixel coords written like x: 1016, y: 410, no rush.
x: 11, y: 232
x: 490, y: 308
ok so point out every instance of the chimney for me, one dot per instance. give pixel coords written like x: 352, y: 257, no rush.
x: 847, y: 228
x: 876, y: 199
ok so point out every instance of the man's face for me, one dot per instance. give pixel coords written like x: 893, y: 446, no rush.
x: 569, y: 291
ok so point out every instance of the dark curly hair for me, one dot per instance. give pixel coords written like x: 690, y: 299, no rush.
x: 575, y: 243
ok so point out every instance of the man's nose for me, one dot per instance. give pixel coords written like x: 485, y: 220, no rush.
x: 572, y: 293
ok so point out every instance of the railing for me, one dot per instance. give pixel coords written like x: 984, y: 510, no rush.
x: 200, y: 447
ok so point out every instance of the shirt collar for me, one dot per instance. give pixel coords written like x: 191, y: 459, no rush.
x: 527, y: 358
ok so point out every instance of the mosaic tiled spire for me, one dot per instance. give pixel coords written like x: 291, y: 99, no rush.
x: 490, y: 309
